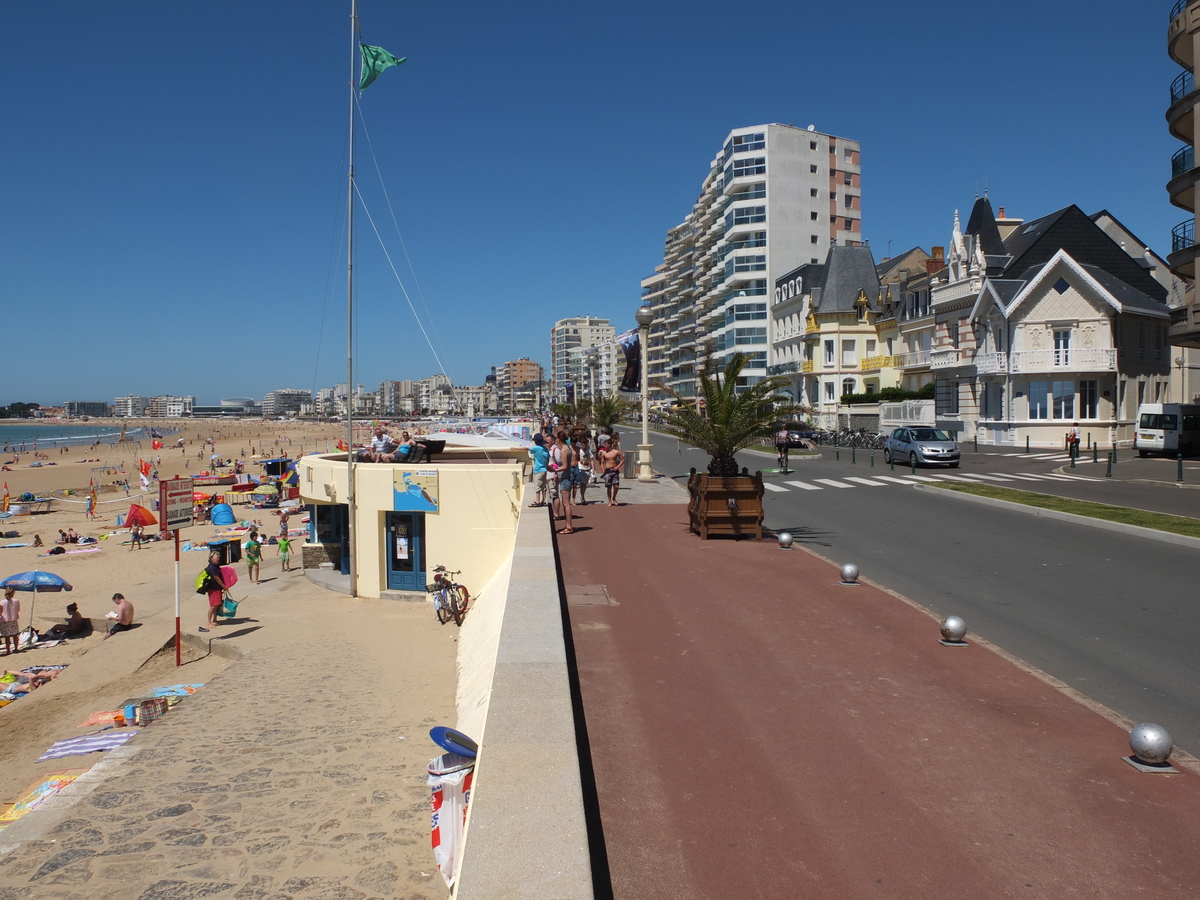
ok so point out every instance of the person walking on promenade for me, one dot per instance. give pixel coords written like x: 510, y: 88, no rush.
x: 583, y: 462
x: 541, y: 462
x: 566, y: 478
x: 253, y: 557
x: 10, y: 626
x: 215, y: 588
x: 611, y: 460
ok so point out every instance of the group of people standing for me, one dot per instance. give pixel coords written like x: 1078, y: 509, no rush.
x: 564, y: 467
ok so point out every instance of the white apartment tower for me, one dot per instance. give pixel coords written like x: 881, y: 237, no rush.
x: 570, y: 342
x: 775, y: 197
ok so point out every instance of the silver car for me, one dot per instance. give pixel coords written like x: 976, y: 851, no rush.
x: 921, y: 446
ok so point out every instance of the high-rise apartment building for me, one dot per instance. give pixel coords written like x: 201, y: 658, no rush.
x: 1183, y: 44
x: 516, y: 382
x: 775, y: 197
x: 571, y: 342
x: 130, y: 406
x: 285, y: 402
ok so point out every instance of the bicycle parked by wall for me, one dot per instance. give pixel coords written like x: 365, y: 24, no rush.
x: 449, y: 597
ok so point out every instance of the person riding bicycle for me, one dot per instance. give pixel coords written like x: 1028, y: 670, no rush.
x: 781, y: 446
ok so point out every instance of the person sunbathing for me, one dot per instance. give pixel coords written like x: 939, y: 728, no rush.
x: 24, y: 682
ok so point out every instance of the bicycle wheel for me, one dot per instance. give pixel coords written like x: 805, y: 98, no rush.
x: 441, y: 605
x: 458, y: 603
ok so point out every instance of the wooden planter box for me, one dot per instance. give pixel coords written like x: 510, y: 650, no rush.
x: 726, y: 505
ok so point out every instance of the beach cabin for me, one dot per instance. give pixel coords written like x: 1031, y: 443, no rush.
x: 459, y: 511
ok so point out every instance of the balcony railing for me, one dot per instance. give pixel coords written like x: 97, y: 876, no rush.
x: 1183, y: 85
x: 1084, y: 359
x: 1183, y: 160
x: 991, y: 363
x: 1183, y: 235
x: 1179, y: 7
x: 916, y: 358
x: 942, y: 359
x: 871, y: 363
x: 806, y: 366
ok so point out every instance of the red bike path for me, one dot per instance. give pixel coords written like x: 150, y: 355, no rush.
x: 757, y: 729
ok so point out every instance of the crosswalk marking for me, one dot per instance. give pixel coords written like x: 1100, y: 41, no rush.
x: 818, y: 484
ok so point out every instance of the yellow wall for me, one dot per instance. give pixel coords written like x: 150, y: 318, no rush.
x: 474, y: 529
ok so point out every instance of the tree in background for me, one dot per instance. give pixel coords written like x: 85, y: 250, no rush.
x: 609, y: 409
x: 18, y: 410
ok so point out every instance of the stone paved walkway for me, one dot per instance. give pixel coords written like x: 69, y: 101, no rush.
x: 298, y: 772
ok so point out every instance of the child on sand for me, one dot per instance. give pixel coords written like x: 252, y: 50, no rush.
x: 285, y: 552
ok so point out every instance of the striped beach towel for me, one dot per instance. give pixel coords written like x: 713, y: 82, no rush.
x: 89, y: 743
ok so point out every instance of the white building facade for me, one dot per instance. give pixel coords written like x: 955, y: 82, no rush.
x: 571, y: 342
x: 775, y: 197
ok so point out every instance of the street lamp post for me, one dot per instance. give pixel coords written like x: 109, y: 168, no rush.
x: 592, y: 359
x: 644, y: 317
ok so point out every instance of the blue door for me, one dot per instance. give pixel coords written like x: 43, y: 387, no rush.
x: 405, y: 536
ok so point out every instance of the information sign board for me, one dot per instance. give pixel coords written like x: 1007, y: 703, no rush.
x: 175, y: 503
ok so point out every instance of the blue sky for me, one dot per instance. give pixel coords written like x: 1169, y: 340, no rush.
x: 173, y: 201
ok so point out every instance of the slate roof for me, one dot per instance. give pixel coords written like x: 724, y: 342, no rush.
x: 885, y: 267
x: 1032, y: 245
x: 1128, y: 297
x: 848, y: 271
x: 982, y: 224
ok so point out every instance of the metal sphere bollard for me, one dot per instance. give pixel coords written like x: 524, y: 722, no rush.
x: 1151, y: 743
x: 849, y: 573
x: 785, y: 540
x: 953, y: 628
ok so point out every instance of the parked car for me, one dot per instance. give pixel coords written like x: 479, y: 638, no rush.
x: 798, y: 433
x: 921, y: 445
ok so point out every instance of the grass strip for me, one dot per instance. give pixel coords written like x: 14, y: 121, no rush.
x: 1120, y: 514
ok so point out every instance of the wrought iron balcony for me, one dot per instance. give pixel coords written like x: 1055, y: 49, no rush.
x: 1182, y: 86
x: 1182, y: 161
x: 1183, y: 235
x: 1179, y: 7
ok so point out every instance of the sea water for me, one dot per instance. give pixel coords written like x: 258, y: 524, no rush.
x: 17, y: 432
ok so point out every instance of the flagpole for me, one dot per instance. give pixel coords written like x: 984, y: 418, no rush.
x: 350, y: 312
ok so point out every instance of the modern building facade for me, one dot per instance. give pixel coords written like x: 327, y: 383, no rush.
x: 518, y: 383
x: 130, y: 406
x: 73, y: 409
x: 775, y: 197
x: 285, y: 402
x: 571, y: 343
x: 1183, y: 45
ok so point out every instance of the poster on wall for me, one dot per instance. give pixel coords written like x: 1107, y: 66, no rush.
x: 415, y: 490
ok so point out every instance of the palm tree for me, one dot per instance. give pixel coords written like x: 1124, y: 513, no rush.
x: 732, y: 419
x: 608, y: 410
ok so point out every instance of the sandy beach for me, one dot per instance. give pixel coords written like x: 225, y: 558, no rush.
x: 100, y: 674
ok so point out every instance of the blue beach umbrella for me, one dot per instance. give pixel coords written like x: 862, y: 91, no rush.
x: 38, y: 582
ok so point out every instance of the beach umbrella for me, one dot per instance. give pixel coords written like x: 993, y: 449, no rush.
x: 36, y: 581
x: 139, y: 515
x: 200, y: 496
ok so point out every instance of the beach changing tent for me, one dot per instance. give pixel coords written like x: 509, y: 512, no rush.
x: 222, y: 514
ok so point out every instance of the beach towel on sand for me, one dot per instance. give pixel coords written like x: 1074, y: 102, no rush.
x: 89, y: 743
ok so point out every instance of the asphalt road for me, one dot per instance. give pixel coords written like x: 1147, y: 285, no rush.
x: 1111, y: 614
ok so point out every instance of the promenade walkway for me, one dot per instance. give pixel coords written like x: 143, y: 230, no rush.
x: 757, y: 729
x: 297, y: 772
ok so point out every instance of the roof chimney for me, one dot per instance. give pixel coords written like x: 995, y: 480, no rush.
x: 1002, y: 212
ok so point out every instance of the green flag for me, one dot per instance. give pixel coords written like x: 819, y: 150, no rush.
x: 374, y: 61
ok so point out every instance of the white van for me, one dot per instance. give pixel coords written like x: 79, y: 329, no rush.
x: 1168, y: 428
